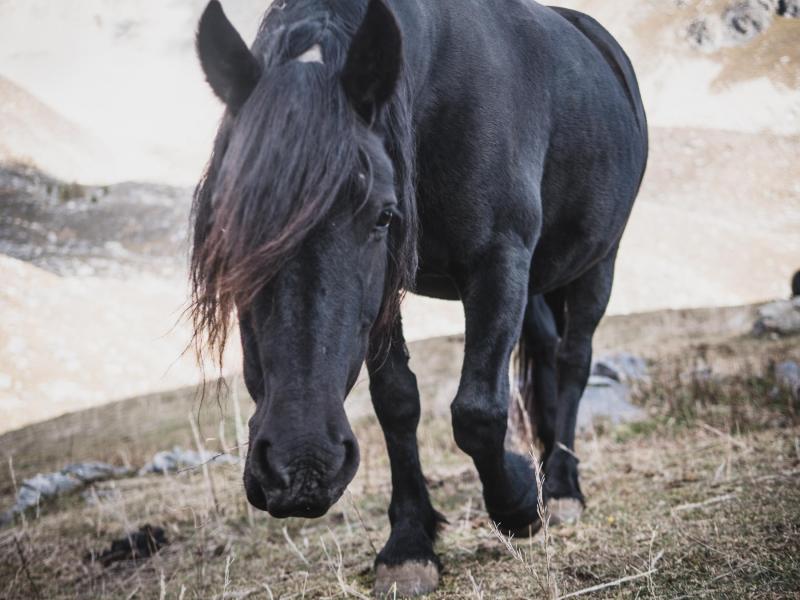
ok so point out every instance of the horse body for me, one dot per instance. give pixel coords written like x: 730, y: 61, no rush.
x: 523, y: 129
x: 516, y: 140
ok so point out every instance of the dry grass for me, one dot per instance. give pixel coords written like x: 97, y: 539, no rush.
x: 700, y: 500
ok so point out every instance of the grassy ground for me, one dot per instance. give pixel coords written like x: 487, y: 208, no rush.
x: 702, y: 499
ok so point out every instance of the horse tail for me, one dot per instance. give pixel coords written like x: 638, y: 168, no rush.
x: 521, y: 413
x: 538, y: 343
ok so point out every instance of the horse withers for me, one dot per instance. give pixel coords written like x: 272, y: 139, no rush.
x: 464, y: 151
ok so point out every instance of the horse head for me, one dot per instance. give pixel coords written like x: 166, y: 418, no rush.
x: 298, y: 229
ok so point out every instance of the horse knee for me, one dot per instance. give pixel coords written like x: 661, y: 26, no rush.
x: 479, y: 427
x: 396, y: 400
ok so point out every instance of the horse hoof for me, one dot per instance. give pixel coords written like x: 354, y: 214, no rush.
x: 412, y: 578
x: 564, y: 510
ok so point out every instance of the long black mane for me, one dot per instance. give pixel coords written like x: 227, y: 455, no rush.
x: 278, y: 164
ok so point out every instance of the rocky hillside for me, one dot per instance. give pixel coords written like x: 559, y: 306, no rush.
x: 711, y: 64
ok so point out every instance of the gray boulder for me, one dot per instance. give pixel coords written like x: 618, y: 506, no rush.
x: 781, y: 317
x: 622, y: 367
x: 607, y: 400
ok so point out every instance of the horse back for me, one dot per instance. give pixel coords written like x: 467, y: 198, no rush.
x: 613, y: 54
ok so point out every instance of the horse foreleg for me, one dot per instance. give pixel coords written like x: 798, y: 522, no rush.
x: 495, y: 294
x: 407, y: 561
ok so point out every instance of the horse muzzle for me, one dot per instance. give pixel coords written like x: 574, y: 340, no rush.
x: 301, y: 481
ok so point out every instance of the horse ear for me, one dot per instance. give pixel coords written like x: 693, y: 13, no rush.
x: 230, y: 67
x: 373, y: 62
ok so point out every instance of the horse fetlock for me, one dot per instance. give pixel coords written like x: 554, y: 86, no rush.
x: 561, y: 476
x: 407, y: 565
x: 409, y: 541
x: 513, y: 501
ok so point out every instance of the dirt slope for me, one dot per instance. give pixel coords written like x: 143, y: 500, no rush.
x: 33, y: 133
x: 702, y: 499
x: 70, y: 343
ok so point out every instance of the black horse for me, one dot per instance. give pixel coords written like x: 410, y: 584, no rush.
x: 487, y: 152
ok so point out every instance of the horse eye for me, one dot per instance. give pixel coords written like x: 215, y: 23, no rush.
x: 384, y: 219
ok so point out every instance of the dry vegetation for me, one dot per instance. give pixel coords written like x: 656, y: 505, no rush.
x: 702, y: 499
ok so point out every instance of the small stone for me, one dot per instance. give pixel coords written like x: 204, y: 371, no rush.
x: 168, y: 461
x: 140, y: 544
x: 610, y: 400
x: 701, y: 35
x: 787, y: 375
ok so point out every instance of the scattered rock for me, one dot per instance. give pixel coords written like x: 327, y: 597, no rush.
x: 47, y: 486
x: 787, y: 375
x: 169, y: 461
x: 607, y: 399
x: 608, y: 393
x: 746, y: 19
x: 622, y: 367
x: 781, y: 317
x: 89, y: 472
x: 701, y: 34
x: 143, y: 543
x: 739, y: 23
x: 77, y: 476
x: 789, y: 9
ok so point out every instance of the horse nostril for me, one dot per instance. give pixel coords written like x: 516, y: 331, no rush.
x: 267, y: 470
x: 350, y: 451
